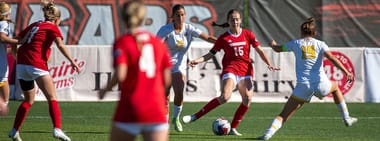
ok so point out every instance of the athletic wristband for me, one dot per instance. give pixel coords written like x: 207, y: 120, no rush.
x: 283, y: 48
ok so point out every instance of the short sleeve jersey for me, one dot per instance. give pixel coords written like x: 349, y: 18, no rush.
x: 142, y: 98
x: 4, y: 28
x: 178, y: 43
x: 236, y: 49
x: 309, y: 53
x: 36, y: 50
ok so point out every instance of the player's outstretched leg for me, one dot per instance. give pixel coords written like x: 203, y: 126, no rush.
x: 207, y: 108
x: 342, y: 106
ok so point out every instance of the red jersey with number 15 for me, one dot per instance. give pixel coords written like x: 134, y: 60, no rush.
x: 36, y: 50
x: 236, y: 49
x: 142, y: 98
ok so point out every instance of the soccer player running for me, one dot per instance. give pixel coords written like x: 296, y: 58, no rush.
x: 178, y: 36
x: 237, y: 68
x: 311, y: 78
x: 142, y: 70
x: 5, y: 31
x: 32, y: 67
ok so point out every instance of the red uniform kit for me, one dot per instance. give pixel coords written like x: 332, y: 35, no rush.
x: 142, y: 98
x: 236, y: 52
x: 36, y: 50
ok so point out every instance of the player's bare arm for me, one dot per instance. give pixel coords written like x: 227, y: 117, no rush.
x: 167, y: 79
x: 65, y: 53
x: 336, y: 62
x: 119, y: 76
x: 201, y: 59
x: 208, y: 38
x: 264, y: 57
x: 275, y: 47
x: 5, y: 39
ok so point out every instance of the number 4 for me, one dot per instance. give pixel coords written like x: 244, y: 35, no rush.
x: 147, y: 63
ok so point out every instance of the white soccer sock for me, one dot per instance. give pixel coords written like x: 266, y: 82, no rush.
x: 177, y: 111
x: 343, y: 109
x: 276, y: 124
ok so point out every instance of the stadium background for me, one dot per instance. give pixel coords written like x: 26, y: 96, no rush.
x: 90, y: 27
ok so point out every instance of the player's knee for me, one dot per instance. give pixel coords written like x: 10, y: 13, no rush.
x: 224, y: 99
x: 26, y: 85
x: 246, y: 99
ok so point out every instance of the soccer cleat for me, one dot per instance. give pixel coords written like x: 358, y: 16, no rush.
x: 177, y: 125
x: 267, y: 135
x: 188, y: 118
x: 14, y: 135
x: 349, y: 121
x: 58, y: 133
x: 233, y: 131
x: 264, y: 137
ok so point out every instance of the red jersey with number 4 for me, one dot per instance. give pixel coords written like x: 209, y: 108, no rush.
x: 142, y: 98
x: 36, y: 50
x: 236, y: 49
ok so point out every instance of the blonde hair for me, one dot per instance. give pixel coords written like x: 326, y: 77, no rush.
x: 5, y: 10
x: 51, y: 12
x: 133, y: 13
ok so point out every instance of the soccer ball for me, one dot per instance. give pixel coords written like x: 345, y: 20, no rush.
x: 221, y: 126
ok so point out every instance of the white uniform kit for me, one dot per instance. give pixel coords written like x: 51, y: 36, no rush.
x: 311, y: 78
x: 178, y: 43
x: 5, y: 28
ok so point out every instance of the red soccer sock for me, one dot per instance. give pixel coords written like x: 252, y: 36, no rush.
x: 207, y: 108
x: 240, y: 112
x: 55, y: 113
x: 22, y: 111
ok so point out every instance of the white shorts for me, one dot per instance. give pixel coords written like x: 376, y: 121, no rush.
x: 235, y: 78
x: 137, y: 128
x: 29, y: 73
x: 306, y: 91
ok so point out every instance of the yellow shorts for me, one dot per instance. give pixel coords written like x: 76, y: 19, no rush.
x: 3, y: 83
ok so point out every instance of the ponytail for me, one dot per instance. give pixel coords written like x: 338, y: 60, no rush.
x: 51, y: 12
x: 133, y: 13
x: 224, y: 25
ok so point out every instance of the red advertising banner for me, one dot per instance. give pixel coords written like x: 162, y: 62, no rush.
x: 341, y: 23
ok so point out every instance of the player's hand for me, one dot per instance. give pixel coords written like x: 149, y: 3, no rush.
x: 271, y: 68
x: 102, y: 93
x: 350, y: 77
x: 273, y: 43
x: 75, y: 67
x: 193, y: 63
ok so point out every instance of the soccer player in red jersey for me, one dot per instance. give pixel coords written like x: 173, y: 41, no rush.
x: 142, y: 70
x: 32, y: 67
x: 237, y: 68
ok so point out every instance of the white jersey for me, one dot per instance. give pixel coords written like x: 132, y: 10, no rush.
x: 4, y: 28
x: 178, y: 43
x: 309, y: 53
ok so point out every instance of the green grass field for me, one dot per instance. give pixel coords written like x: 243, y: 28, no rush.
x: 90, y: 121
